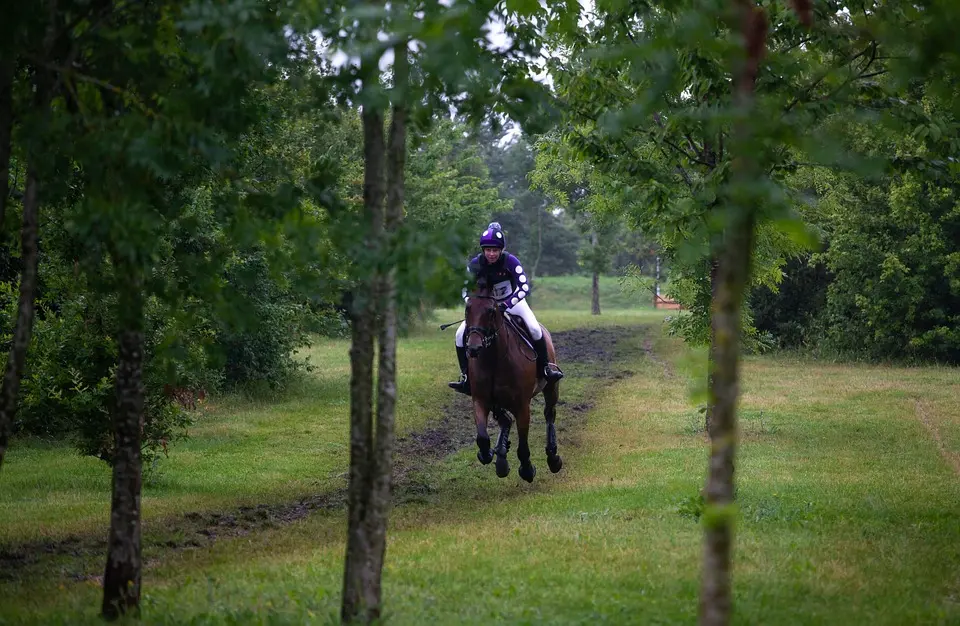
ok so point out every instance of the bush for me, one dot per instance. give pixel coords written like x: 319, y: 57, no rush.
x: 895, y: 254
x: 68, y: 386
x: 789, y: 313
x: 258, y: 343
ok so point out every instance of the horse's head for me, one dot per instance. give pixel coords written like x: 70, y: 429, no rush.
x: 483, y: 320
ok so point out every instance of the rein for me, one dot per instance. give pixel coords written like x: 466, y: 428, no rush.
x: 487, y: 337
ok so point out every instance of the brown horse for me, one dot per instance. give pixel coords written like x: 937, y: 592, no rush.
x: 503, y: 378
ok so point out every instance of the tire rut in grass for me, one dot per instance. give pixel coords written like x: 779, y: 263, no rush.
x: 593, y: 353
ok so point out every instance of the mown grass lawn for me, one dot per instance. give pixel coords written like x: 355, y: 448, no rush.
x: 849, y: 496
x: 574, y: 293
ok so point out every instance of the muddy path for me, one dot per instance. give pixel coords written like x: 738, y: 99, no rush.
x: 594, y: 353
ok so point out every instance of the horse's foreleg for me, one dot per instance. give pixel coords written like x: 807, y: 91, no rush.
x: 503, y: 443
x: 484, y: 455
x: 527, y: 470
x: 551, y: 394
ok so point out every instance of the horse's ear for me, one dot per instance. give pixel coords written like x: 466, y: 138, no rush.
x: 482, y: 282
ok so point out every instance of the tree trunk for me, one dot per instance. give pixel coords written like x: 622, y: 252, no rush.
x: 29, y: 231
x: 7, y: 68
x: 363, y: 562
x: 23, y: 330
x: 711, y: 355
x: 595, y: 299
x: 732, y: 271
x: 656, y: 285
x: 121, y: 580
x: 371, y: 461
x: 532, y: 272
x: 381, y: 464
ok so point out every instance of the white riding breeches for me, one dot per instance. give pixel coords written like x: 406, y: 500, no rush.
x: 520, y: 309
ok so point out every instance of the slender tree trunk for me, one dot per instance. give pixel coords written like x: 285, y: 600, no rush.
x: 733, y: 271
x: 595, y: 300
x: 381, y: 463
x: 355, y: 600
x: 29, y: 234
x: 711, y: 355
x: 30, y: 228
x: 121, y: 580
x: 361, y: 594
x: 7, y: 68
x: 533, y: 271
x: 371, y: 457
x: 656, y: 284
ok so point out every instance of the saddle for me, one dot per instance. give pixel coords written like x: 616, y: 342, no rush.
x: 521, y: 327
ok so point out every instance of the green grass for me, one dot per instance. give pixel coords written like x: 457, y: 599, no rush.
x: 850, y: 508
x: 574, y: 293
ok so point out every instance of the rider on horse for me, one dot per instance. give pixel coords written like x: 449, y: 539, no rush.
x: 510, y: 287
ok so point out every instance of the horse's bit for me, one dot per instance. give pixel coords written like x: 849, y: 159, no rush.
x: 486, y: 336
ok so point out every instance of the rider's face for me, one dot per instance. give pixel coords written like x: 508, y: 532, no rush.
x: 491, y: 254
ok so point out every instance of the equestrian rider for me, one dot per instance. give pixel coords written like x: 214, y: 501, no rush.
x: 510, y: 288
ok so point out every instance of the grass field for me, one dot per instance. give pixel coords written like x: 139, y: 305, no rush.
x: 573, y: 293
x: 848, y: 483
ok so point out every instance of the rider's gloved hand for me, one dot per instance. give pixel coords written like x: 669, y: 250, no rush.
x: 502, y: 306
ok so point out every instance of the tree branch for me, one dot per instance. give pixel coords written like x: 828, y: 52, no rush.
x: 809, y: 89
x: 659, y: 120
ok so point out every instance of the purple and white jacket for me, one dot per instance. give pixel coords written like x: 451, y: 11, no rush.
x: 510, y: 284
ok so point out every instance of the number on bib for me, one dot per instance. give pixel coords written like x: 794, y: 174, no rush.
x: 502, y: 289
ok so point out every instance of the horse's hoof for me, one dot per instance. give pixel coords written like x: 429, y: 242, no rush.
x: 485, y: 458
x: 503, y: 467
x: 527, y: 472
x: 555, y: 463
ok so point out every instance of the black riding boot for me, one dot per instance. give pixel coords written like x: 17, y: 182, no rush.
x: 543, y: 367
x: 462, y: 385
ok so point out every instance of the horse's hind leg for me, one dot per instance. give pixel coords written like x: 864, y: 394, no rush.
x: 503, y: 442
x: 551, y: 394
x: 527, y: 470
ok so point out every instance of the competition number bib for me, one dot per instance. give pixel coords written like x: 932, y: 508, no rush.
x: 502, y: 289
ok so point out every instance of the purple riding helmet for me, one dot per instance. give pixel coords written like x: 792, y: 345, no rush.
x: 493, y: 237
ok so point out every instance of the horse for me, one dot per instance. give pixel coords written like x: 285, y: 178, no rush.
x: 503, y: 378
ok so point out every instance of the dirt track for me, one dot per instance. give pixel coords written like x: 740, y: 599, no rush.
x: 590, y: 352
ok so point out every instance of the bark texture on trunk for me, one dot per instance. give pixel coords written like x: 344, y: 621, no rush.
x: 381, y: 464
x: 711, y: 355
x: 29, y: 235
x: 360, y: 601
x: 732, y: 274
x: 121, y: 580
x: 371, y: 449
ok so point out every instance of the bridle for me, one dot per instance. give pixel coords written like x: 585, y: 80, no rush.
x: 487, y: 337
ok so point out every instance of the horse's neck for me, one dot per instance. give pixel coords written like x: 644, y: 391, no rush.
x: 496, y: 360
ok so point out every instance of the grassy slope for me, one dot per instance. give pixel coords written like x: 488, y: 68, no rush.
x: 573, y: 293
x: 850, y: 512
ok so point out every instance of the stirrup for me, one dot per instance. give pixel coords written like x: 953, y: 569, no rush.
x: 462, y: 385
x: 552, y: 374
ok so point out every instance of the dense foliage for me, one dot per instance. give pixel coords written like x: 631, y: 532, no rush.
x: 235, y: 299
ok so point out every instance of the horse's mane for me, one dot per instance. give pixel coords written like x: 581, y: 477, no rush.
x: 483, y: 286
